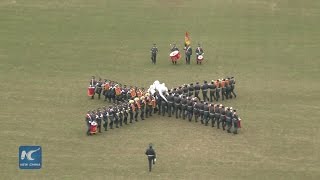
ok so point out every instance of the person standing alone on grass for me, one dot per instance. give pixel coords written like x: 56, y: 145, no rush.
x: 154, y: 51
x: 188, y: 52
x: 151, y: 156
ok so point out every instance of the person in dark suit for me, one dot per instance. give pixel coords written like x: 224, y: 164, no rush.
x: 151, y: 156
x: 154, y: 51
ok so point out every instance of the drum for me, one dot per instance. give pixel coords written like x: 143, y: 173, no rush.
x: 91, y: 91
x: 93, y: 128
x: 200, y: 58
x: 175, y: 55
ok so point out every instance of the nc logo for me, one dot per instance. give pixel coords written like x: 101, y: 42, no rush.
x: 25, y: 154
x: 30, y: 157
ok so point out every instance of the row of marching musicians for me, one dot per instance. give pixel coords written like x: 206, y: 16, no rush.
x: 120, y: 113
x: 220, y: 88
x: 113, y: 91
x: 188, y: 107
x: 180, y: 105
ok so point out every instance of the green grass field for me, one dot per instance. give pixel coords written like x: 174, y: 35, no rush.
x: 49, y: 49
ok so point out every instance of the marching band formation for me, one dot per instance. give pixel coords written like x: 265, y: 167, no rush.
x: 131, y: 104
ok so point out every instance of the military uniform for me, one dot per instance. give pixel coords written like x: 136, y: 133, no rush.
x: 201, y: 110
x: 132, y: 110
x: 154, y: 51
x: 99, y: 88
x: 124, y: 92
x: 111, y: 117
x: 190, y: 89
x: 139, y: 92
x: 196, y: 110
x: 174, y: 91
x: 218, y: 89
x: 189, y: 108
x: 112, y: 94
x: 184, y: 106
x: 163, y: 106
x: 106, y: 90
x: 188, y: 54
x: 125, y: 113
x: 204, y: 89
x: 116, y: 116
x: 206, y: 113
x: 235, y: 122
x: 170, y: 104
x: 211, y: 115
x: 137, y: 107
x: 133, y: 93
x: 212, y: 91
x: 99, y: 117
x: 88, y: 121
x: 150, y: 105
x: 158, y: 102
x: 120, y: 114
x: 232, y: 85
x: 223, y: 89
x: 185, y: 90
x: 223, y: 117
x: 228, y: 89
x: 229, y: 120
x: 154, y: 105
x: 151, y: 157
x: 118, y: 93
x: 199, y: 51
x: 105, y: 119
x: 180, y: 90
x: 143, y: 106
x: 217, y: 115
x: 147, y: 100
x: 197, y: 90
x: 93, y: 116
x: 177, y: 104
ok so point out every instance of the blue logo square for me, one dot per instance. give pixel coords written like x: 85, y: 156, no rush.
x: 30, y: 157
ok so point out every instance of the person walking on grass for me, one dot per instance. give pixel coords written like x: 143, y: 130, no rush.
x: 154, y: 51
x: 151, y: 154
